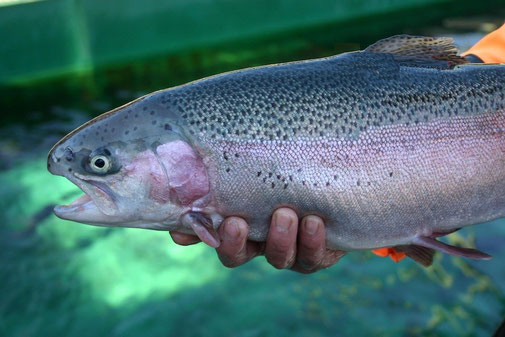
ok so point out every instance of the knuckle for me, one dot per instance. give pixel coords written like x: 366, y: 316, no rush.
x: 279, y: 261
x: 280, y: 248
x: 291, y: 261
x: 302, y: 270
x: 278, y: 264
x: 229, y: 262
x: 183, y: 239
x: 309, y: 246
x: 308, y: 263
x: 331, y: 257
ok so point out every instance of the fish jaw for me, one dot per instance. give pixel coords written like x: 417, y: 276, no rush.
x: 97, y: 205
x: 83, y: 210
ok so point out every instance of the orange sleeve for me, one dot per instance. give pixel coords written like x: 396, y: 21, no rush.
x: 491, y: 49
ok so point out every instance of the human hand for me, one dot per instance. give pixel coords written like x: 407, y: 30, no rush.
x: 299, y: 247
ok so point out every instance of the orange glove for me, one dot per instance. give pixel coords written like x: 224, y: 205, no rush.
x: 491, y: 49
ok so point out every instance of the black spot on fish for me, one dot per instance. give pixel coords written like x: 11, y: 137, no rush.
x: 227, y: 169
x: 273, y: 185
x: 126, y: 132
x: 69, y: 169
x: 327, y: 183
x: 390, y: 174
x: 285, y: 186
x: 237, y: 155
x: 225, y: 156
x: 167, y: 127
x: 259, y: 173
x: 134, y: 128
x: 270, y: 174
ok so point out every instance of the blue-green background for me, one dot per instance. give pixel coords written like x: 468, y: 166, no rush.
x: 59, y: 278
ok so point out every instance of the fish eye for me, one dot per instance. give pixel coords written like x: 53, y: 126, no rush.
x: 100, y: 164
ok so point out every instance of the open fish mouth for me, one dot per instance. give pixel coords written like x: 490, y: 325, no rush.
x: 96, y: 206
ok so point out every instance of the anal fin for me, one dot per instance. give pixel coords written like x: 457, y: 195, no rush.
x: 453, y: 250
x: 421, y: 255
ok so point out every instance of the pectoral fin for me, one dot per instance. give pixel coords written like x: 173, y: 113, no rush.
x: 453, y: 250
x: 203, y: 227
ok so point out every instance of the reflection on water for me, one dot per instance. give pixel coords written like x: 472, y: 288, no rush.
x: 63, y: 278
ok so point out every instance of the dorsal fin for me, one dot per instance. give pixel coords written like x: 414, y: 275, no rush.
x: 420, y: 51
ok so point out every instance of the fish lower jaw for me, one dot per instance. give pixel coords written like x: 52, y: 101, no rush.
x: 84, y: 210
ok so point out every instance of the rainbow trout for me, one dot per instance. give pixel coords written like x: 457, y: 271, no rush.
x: 392, y: 146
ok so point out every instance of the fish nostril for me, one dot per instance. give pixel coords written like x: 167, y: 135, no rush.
x: 69, y: 155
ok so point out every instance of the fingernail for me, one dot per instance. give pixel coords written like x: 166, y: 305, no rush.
x: 232, y: 230
x: 311, y: 225
x: 283, y: 222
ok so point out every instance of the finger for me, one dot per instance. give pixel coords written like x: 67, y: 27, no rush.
x: 311, y: 243
x: 234, y: 249
x: 280, y: 250
x: 184, y: 239
x: 331, y: 257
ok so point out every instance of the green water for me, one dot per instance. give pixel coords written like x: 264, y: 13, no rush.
x: 66, y: 279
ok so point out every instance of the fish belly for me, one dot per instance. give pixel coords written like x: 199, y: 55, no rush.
x: 382, y: 188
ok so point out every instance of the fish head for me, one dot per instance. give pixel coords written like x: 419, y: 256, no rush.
x: 135, y: 167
